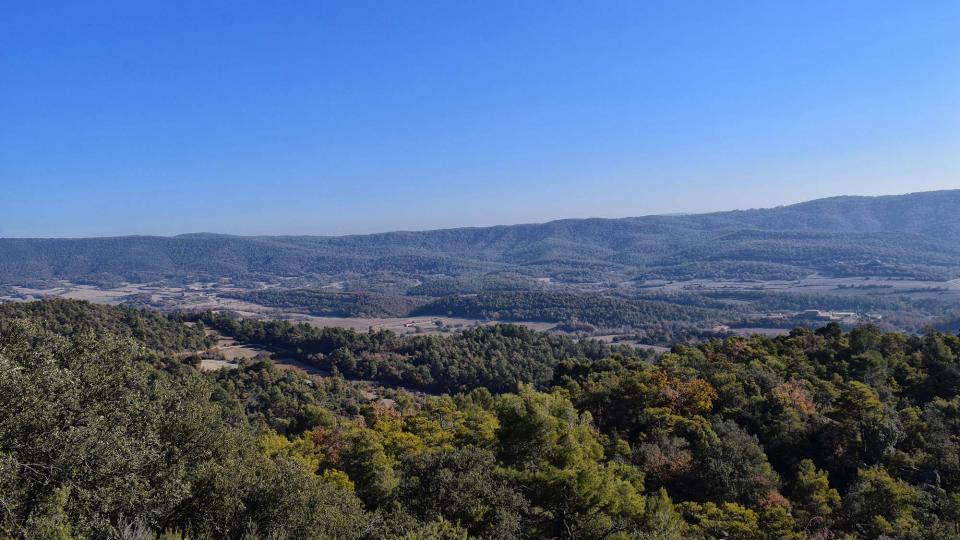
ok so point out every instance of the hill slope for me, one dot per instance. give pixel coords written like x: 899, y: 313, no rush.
x: 916, y: 235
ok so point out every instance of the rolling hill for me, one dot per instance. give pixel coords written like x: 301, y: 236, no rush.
x: 915, y: 235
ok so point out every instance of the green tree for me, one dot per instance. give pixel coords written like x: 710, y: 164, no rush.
x: 736, y: 468
x: 879, y: 505
x: 557, y: 459
x: 726, y: 520
x: 366, y: 463
x: 814, y: 501
x: 463, y: 486
x: 661, y: 520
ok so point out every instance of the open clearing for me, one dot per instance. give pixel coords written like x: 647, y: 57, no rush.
x: 208, y: 364
x: 232, y: 353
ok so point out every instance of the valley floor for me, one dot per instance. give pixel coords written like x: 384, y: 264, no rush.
x: 730, y: 296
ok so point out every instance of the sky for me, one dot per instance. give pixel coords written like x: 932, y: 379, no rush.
x: 349, y: 117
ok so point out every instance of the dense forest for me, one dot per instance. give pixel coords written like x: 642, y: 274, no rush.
x: 816, y: 434
x: 497, y: 357
x: 332, y: 304
x: 151, y: 330
x: 653, y: 321
x: 436, y: 286
x: 893, y: 311
x: 601, y: 311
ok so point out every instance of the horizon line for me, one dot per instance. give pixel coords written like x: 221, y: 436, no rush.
x: 464, y: 227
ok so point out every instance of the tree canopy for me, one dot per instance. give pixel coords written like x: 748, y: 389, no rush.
x: 816, y: 434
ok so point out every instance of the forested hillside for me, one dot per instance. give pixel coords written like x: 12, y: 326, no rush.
x: 914, y: 235
x: 333, y: 304
x: 816, y: 434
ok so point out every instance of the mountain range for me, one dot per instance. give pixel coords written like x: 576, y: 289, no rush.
x: 915, y: 235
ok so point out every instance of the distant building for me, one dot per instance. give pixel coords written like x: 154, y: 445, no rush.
x: 848, y: 316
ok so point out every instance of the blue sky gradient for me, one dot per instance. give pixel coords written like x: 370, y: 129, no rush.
x: 354, y: 117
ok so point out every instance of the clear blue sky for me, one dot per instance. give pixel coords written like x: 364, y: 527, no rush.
x: 347, y: 116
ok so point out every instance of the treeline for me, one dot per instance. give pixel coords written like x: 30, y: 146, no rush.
x: 742, y: 307
x: 332, y: 304
x: 497, y: 357
x: 863, y: 303
x: 653, y: 321
x: 154, y: 330
x: 437, y: 286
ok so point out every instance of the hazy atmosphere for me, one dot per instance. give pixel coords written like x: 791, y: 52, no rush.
x: 355, y: 117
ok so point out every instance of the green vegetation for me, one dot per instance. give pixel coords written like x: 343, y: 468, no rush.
x: 652, y: 321
x: 94, y: 444
x: 589, y: 277
x: 151, y: 329
x: 741, y: 307
x: 437, y: 286
x: 816, y: 434
x: 282, y: 400
x: 651, y: 317
x: 496, y: 357
x: 332, y: 304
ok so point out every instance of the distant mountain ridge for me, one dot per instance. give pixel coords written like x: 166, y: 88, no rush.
x: 915, y: 235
